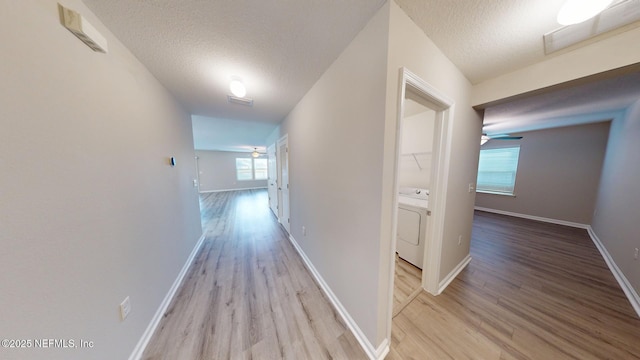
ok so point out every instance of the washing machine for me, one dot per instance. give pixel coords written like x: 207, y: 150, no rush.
x: 411, y: 233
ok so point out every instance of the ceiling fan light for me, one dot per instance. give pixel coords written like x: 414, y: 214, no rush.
x: 577, y: 11
x: 237, y: 88
x: 255, y: 153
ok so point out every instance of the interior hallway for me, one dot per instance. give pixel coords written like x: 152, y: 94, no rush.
x: 248, y: 294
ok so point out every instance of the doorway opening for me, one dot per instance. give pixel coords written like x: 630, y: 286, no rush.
x: 423, y: 139
x: 413, y: 212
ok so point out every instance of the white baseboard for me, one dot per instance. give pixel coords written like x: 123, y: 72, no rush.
x: 224, y: 190
x: 146, y: 336
x: 452, y: 275
x: 373, y: 353
x: 382, y: 350
x: 532, y: 217
x: 629, y: 291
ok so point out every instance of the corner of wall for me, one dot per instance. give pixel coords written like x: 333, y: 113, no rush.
x: 615, y: 218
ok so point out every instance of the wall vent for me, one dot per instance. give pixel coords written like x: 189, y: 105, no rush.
x: 81, y: 28
x: 240, y: 101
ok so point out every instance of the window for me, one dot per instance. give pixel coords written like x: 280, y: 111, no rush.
x: 244, y: 169
x: 260, y: 169
x: 251, y: 169
x: 497, y: 170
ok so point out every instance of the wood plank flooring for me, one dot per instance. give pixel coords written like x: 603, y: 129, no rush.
x: 248, y: 294
x: 407, y: 284
x: 532, y: 291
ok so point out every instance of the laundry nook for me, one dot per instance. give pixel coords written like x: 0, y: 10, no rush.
x: 414, y: 177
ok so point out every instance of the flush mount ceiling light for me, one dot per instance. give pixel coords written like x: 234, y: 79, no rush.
x: 237, y: 88
x: 577, y: 11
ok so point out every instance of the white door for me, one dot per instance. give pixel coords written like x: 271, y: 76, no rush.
x: 283, y: 183
x: 272, y: 181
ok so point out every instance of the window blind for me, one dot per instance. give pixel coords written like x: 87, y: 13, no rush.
x: 497, y: 170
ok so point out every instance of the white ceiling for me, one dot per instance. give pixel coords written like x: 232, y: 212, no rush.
x: 487, y: 38
x: 280, y: 48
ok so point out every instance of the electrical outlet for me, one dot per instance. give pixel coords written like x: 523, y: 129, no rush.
x: 635, y: 254
x: 125, y: 308
x: 459, y: 240
x: 304, y: 231
x: 472, y: 187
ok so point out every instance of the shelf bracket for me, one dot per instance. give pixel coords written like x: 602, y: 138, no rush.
x: 417, y: 162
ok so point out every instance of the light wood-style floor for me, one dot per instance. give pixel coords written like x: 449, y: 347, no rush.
x: 407, y: 284
x: 248, y: 294
x: 532, y: 291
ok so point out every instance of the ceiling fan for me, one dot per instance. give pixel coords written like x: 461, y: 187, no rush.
x: 255, y: 153
x: 484, y: 138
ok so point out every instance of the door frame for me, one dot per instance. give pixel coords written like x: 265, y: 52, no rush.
x: 282, y: 205
x: 443, y: 135
x: 272, y: 181
x: 197, y: 160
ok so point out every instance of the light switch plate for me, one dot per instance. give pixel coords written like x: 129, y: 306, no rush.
x: 125, y: 308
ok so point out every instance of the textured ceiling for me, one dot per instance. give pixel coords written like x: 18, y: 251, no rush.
x: 281, y: 47
x: 487, y: 38
x: 194, y: 47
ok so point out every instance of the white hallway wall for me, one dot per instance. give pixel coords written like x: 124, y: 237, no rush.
x: 90, y: 210
x: 343, y: 195
x: 335, y: 186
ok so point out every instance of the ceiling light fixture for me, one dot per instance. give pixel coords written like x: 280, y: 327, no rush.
x: 619, y: 14
x: 237, y: 88
x: 255, y: 153
x: 577, y: 11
